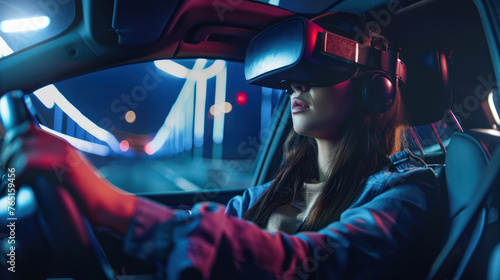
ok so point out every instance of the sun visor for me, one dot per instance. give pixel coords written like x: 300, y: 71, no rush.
x: 141, y: 22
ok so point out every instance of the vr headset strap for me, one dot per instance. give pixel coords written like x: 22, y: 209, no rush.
x: 352, y: 51
x: 386, y: 61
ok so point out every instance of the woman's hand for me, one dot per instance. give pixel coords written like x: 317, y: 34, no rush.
x: 33, y: 152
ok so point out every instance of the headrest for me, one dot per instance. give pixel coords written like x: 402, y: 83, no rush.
x: 427, y: 95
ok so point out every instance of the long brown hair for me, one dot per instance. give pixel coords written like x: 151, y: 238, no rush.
x: 364, y: 147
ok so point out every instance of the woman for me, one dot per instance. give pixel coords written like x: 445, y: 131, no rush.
x: 348, y: 202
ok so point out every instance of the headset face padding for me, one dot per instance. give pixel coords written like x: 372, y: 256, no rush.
x: 377, y: 91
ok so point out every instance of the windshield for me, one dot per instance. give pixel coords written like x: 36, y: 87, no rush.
x: 167, y: 125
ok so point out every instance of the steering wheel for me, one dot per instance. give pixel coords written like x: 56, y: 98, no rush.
x: 74, y: 247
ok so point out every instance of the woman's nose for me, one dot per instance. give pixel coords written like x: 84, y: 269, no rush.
x: 298, y: 87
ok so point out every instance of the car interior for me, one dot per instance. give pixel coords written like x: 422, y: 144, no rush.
x: 449, y: 47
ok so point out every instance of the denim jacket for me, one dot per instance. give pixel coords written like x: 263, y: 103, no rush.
x: 392, y: 231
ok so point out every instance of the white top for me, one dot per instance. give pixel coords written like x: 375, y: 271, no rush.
x: 289, y: 217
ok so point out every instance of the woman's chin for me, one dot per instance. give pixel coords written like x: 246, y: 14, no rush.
x: 303, y: 130
x: 316, y: 131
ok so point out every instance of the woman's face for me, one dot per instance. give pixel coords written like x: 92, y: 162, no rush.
x: 319, y: 112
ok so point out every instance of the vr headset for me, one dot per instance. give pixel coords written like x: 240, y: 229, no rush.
x: 299, y: 50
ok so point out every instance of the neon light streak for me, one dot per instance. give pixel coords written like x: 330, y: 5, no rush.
x: 213, y: 69
x: 186, y: 91
x: 180, y: 71
x: 179, y: 132
x: 493, y: 108
x: 50, y: 95
x: 80, y: 144
x: 172, y: 68
x: 199, y: 112
x: 220, y: 98
x: 47, y: 95
x: 5, y: 50
x: 196, y: 78
x: 189, y: 109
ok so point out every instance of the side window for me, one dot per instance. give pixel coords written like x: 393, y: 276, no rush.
x: 430, y: 138
x: 163, y: 126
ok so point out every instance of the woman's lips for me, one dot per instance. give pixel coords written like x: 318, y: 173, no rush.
x: 299, y: 106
